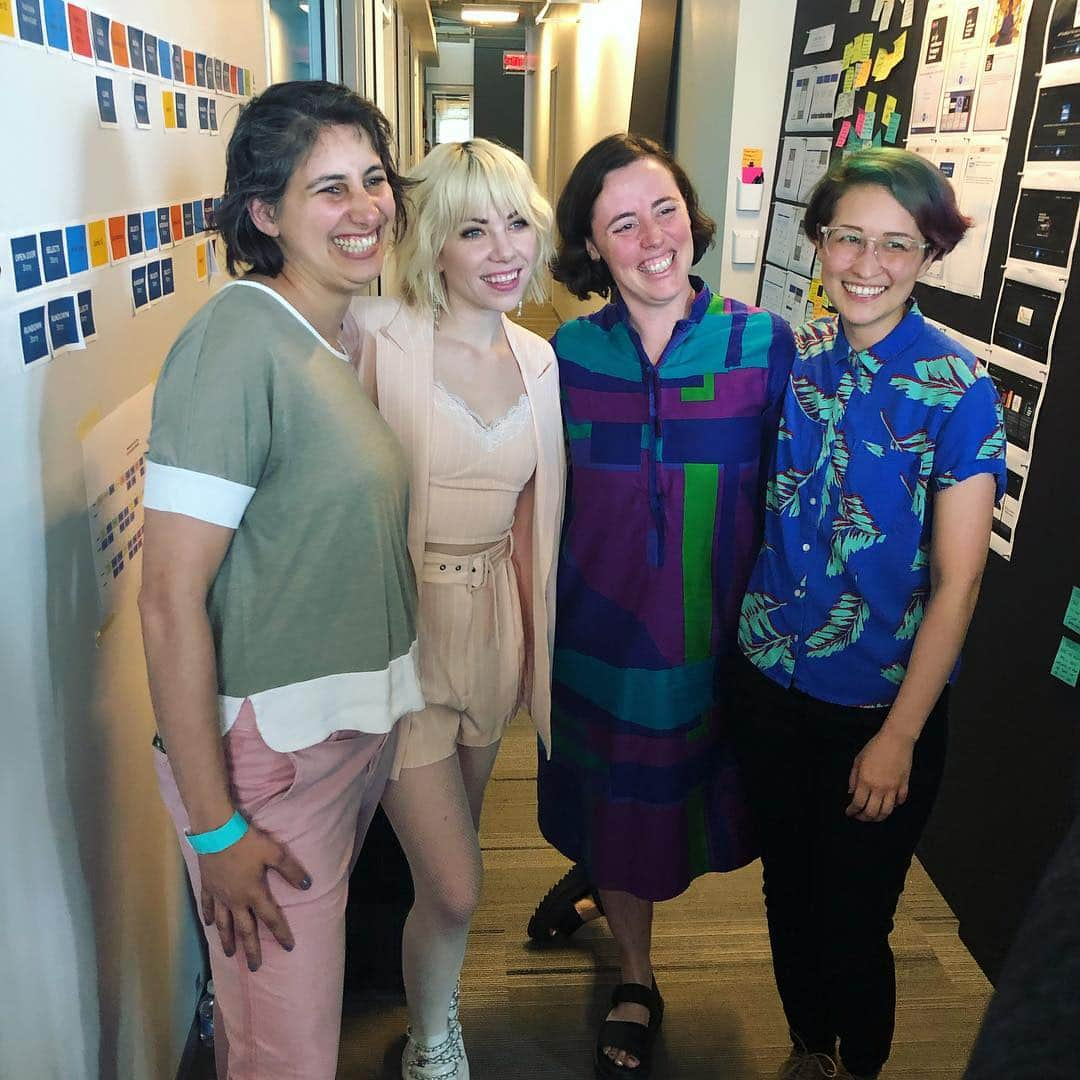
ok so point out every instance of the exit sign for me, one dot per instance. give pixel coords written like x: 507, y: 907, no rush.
x: 515, y: 63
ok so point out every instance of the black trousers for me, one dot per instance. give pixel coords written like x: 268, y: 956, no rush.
x: 831, y: 883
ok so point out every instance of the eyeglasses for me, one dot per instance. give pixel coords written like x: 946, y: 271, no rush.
x: 844, y: 245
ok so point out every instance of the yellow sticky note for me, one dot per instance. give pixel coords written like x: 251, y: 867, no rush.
x: 899, y: 47
x: 97, y: 233
x: 168, y: 107
x: 871, y: 101
x: 200, y: 262
x: 752, y: 156
x: 849, y: 80
x: 862, y: 74
x: 849, y: 50
x: 888, y: 110
x: 7, y: 19
x: 865, y: 42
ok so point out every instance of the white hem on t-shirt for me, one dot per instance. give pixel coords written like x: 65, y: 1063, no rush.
x: 296, y: 314
x: 302, y: 714
x: 195, y: 494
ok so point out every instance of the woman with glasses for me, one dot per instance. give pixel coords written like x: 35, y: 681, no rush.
x: 878, y: 512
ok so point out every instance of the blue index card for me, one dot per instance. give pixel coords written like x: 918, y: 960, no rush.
x: 25, y: 263
x: 164, y: 51
x: 164, y: 227
x: 106, y: 101
x: 168, y: 283
x: 135, y: 49
x: 141, y: 99
x: 139, y: 296
x: 31, y: 27
x: 189, y: 220
x: 53, y: 260
x: 99, y: 34
x: 35, y: 344
x: 56, y: 25
x: 181, y: 109
x: 177, y: 63
x: 200, y: 69
x: 85, y: 300
x: 199, y: 216
x: 149, y: 230
x: 150, y: 53
x: 64, y: 327
x: 134, y: 234
x: 204, y: 114
x: 208, y: 211
x: 153, y: 280
x: 211, y: 107
x: 78, y: 254
x: 218, y: 85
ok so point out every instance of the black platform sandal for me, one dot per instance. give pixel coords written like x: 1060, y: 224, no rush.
x: 556, y: 914
x: 635, y: 1039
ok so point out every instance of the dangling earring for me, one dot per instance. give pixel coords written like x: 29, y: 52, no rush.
x: 520, y: 307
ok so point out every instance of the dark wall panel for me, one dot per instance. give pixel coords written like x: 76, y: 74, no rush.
x: 498, y: 99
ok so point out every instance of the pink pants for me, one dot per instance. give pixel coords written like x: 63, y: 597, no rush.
x: 283, y: 1022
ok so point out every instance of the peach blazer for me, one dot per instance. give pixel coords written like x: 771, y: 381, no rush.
x: 392, y: 346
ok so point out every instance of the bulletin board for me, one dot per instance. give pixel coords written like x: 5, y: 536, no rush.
x: 1013, y: 299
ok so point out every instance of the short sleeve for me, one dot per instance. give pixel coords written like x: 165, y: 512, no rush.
x: 210, y: 435
x: 781, y: 359
x: 972, y: 439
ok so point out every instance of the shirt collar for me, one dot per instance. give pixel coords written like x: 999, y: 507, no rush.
x: 702, y: 299
x: 896, y: 342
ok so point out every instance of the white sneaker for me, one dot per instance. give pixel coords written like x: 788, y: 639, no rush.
x: 440, y: 1059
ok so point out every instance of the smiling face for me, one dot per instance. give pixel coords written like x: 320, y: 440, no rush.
x: 641, y: 229
x: 488, y: 261
x: 334, y: 221
x: 871, y: 297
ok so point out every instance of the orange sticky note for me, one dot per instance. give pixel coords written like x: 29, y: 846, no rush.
x: 189, y: 67
x: 200, y: 262
x: 862, y: 75
x: 118, y: 37
x: 118, y: 238
x: 98, y: 239
x: 168, y: 107
x: 176, y: 221
x: 7, y: 19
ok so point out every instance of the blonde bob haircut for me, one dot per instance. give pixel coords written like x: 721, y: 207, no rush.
x: 456, y: 181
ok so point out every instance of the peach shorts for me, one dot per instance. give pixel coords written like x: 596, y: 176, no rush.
x: 472, y: 654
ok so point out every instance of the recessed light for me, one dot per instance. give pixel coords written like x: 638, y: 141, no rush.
x: 500, y: 16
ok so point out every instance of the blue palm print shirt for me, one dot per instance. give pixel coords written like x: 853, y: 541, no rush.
x: 866, y: 439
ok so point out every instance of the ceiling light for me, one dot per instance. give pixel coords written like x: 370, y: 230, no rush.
x: 304, y: 6
x: 500, y: 16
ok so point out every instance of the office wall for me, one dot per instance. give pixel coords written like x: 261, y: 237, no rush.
x: 594, y: 65
x: 100, y: 950
x: 499, y: 98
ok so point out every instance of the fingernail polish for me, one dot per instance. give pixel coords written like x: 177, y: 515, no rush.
x: 306, y: 883
x: 230, y: 953
x: 287, y: 948
x: 252, y: 966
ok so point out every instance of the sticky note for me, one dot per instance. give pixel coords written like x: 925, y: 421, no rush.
x: 98, y: 235
x: 25, y: 262
x: 118, y: 40
x: 849, y: 81
x: 860, y: 122
x: 893, y: 129
x: 189, y: 67
x: 845, y: 104
x: 862, y: 74
x: 1072, y: 612
x: 843, y: 133
x: 7, y: 19
x: 752, y: 155
x: 82, y: 45
x: 1066, y: 666
x: 53, y: 259
x: 888, y: 110
x: 56, y: 26
x: 176, y: 223
x: 168, y: 109
x: 118, y: 238
x: 871, y: 101
x: 78, y: 253
x: 200, y: 263
x: 35, y: 342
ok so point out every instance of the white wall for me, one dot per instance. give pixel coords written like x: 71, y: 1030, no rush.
x: 733, y: 71
x: 455, y: 66
x: 595, y: 60
x: 99, y: 947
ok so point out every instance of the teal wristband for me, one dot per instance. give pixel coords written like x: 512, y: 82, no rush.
x: 209, y: 843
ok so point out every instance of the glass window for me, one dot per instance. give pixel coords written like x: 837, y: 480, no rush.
x: 297, y: 49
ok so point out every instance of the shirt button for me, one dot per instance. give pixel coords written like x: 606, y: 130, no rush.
x: 798, y: 592
x: 813, y: 502
x: 806, y: 547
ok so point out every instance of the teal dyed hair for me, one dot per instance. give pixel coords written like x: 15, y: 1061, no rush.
x: 919, y: 187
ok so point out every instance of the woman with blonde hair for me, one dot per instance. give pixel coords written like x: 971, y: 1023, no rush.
x: 474, y: 400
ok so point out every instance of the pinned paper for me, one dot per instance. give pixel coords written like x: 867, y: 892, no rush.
x: 862, y: 74
x: 106, y: 102
x: 7, y: 19
x: 78, y: 254
x: 35, y: 342
x: 201, y: 270
x: 888, y: 110
x: 843, y: 133
x: 119, y: 42
x: 118, y: 238
x: 168, y: 284
x: 893, y: 128
x: 189, y: 66
x: 56, y: 27
x: 853, y: 7
x: 907, y: 16
x: 176, y: 222
x: 65, y: 331
x: 140, y: 298
x: 82, y: 46
x: 53, y: 259
x: 860, y: 122
x: 141, y: 103
x: 1072, y: 612
x: 168, y: 108
x: 1066, y: 666
x: 818, y: 40
x: 136, y: 53
x: 845, y: 104
x: 134, y: 234
x: 98, y: 235
x: 99, y: 31
x: 181, y: 109
x: 864, y: 45
x: 886, y: 15
x: 849, y: 81
x: 871, y: 101
x: 85, y: 300
x: 31, y: 29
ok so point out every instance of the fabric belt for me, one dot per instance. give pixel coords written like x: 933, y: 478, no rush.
x: 474, y: 570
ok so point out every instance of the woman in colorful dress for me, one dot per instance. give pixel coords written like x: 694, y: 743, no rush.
x: 278, y: 604
x: 474, y: 400
x: 877, y: 525
x: 670, y: 395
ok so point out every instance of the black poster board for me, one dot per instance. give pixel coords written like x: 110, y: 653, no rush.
x: 1015, y: 730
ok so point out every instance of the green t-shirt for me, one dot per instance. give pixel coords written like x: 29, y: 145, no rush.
x: 261, y: 426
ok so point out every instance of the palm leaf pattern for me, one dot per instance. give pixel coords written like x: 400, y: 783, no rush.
x: 783, y: 432
x: 845, y: 624
x: 758, y: 638
x: 875, y: 448
x: 894, y: 673
x: 815, y: 337
x: 920, y: 444
x: 993, y: 446
x: 782, y: 492
x: 922, y: 558
x: 913, y: 615
x: 941, y: 381
x: 854, y: 529
x: 844, y: 389
x: 813, y: 401
x: 866, y: 367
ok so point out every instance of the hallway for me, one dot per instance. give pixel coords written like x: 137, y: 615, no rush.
x: 532, y: 1012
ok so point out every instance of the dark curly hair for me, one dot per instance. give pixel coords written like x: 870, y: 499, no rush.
x: 572, y: 265
x: 918, y: 186
x: 274, y: 134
